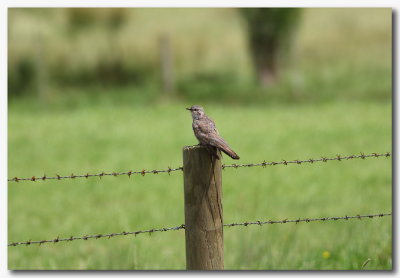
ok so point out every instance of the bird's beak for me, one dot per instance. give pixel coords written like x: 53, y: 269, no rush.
x: 188, y: 109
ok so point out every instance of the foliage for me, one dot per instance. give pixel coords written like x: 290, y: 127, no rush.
x: 81, y: 18
x: 269, y: 26
x: 351, y: 59
x: 269, y: 32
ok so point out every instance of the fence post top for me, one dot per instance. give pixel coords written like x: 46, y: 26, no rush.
x: 193, y: 147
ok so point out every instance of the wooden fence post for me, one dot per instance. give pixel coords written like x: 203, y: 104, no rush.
x: 203, y: 210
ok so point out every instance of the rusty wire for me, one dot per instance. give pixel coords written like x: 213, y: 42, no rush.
x: 169, y: 170
x: 284, y: 221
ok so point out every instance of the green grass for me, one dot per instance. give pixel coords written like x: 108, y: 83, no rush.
x: 126, y: 136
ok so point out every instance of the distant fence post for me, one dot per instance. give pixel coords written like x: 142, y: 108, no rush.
x: 167, y: 71
x: 203, y: 210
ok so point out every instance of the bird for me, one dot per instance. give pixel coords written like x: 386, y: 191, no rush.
x: 207, y: 134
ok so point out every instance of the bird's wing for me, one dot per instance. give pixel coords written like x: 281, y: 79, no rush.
x: 203, y: 131
x: 212, y: 126
x: 219, y: 142
x: 206, y: 132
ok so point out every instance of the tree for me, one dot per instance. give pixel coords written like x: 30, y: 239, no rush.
x: 269, y: 31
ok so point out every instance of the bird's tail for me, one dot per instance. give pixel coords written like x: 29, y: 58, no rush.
x: 223, y: 146
x: 230, y: 152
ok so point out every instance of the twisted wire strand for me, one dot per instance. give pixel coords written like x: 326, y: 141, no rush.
x: 260, y: 223
x: 311, y: 160
x: 169, y: 170
x: 100, y: 175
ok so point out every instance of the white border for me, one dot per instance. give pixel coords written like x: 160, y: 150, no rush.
x: 204, y: 3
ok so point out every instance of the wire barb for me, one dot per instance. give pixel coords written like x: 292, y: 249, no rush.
x: 246, y: 224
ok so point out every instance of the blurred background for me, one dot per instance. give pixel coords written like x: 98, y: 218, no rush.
x: 228, y: 55
x: 104, y: 89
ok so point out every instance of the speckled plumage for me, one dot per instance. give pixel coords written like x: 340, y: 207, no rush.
x: 207, y: 134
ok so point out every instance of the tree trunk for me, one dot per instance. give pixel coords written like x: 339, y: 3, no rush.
x: 266, y: 64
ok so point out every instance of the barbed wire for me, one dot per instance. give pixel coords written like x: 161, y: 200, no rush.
x: 100, y: 175
x: 307, y: 220
x: 284, y: 221
x: 311, y: 160
x: 169, y: 170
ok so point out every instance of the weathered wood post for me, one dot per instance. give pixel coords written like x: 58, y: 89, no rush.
x: 203, y: 210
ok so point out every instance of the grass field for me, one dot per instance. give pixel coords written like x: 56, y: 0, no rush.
x: 125, y: 136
